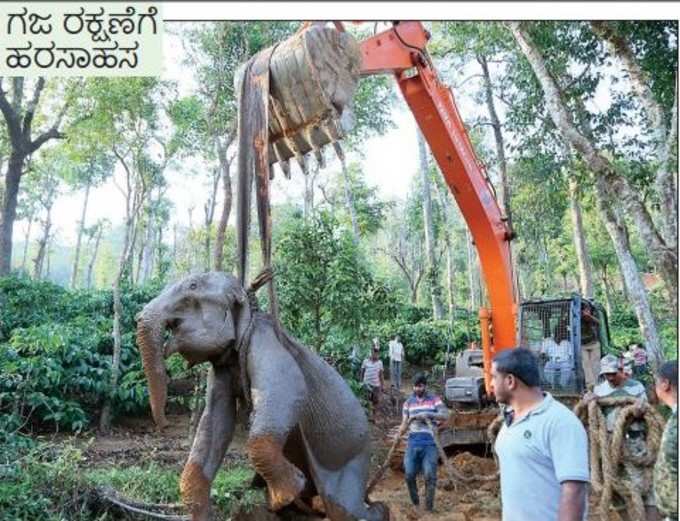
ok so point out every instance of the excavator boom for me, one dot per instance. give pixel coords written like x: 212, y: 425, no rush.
x: 401, y: 50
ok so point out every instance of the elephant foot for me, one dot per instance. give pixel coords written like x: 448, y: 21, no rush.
x: 195, y: 490
x: 285, y: 489
x: 284, y: 480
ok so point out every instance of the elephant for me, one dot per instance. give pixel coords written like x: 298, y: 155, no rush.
x: 308, y: 433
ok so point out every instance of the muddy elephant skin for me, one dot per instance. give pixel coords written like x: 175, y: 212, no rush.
x: 308, y: 433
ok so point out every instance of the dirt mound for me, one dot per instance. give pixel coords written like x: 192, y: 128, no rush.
x: 472, y: 419
x: 470, y: 464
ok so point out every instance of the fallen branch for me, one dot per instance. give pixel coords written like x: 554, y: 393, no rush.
x: 381, y: 470
x: 110, y: 495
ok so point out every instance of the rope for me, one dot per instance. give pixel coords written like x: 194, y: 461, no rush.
x: 243, y: 344
x: 381, y: 470
x: 613, y: 468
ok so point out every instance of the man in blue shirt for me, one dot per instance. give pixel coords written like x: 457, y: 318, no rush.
x: 542, y: 446
x: 420, y: 412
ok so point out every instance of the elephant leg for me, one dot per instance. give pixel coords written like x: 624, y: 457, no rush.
x: 284, y: 480
x: 213, y: 436
x: 343, y: 490
x: 279, y: 394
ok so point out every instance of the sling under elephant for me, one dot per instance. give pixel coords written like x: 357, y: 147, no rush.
x: 308, y: 434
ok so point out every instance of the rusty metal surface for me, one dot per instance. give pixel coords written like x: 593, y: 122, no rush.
x: 313, y: 77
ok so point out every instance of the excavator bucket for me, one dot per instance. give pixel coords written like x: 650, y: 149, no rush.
x: 313, y: 76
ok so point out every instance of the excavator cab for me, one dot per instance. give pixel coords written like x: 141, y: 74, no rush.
x: 569, y: 336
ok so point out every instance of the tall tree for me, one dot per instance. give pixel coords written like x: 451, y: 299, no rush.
x: 90, y: 168
x: 662, y: 122
x: 93, y: 235
x: 124, y: 115
x: 215, y: 51
x: 585, y: 267
x: 610, y: 188
x: 430, y: 246
x: 25, y: 139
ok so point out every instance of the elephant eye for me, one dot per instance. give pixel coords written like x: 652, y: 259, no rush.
x: 193, y: 286
x: 174, y: 324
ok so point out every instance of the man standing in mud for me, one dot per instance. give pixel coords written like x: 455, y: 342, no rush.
x: 420, y: 414
x: 542, y: 446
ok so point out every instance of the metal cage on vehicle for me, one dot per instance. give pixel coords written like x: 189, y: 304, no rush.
x: 552, y: 330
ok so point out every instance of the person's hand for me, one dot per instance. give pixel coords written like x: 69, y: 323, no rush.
x: 589, y: 397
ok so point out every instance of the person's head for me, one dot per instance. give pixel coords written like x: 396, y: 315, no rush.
x: 420, y: 385
x: 375, y: 353
x: 667, y: 382
x: 512, y: 371
x: 640, y: 346
x: 375, y: 342
x: 612, y: 370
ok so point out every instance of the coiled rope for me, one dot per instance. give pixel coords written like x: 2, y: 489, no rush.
x: 611, y: 462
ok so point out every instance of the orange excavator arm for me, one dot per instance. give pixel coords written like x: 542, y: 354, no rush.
x: 401, y: 50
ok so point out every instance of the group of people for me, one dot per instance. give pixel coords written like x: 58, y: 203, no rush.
x: 542, y: 447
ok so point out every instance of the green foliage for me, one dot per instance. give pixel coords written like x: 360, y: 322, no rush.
x: 152, y: 483
x: 41, y: 481
x: 425, y: 341
x: 55, y: 360
x: 44, y: 483
x: 325, y: 287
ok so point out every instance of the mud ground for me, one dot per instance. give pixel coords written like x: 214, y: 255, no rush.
x: 135, y: 441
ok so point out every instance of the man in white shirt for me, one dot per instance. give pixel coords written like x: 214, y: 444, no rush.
x: 559, y: 367
x: 396, y: 358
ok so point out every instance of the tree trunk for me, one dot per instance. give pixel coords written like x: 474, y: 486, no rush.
x: 471, y: 272
x: 42, y: 246
x: 81, y: 227
x: 28, y: 238
x: 607, y: 292
x: 209, y: 213
x: 349, y: 198
x: 48, y: 255
x: 95, y: 250
x: 147, y: 252
x: 664, y: 136
x: 158, y: 240
x: 198, y: 401
x: 445, y: 204
x: 498, y: 136
x: 225, y: 164
x: 585, y: 266
x: 105, y: 419
x: 19, y: 121
x: 432, y: 274
x: 661, y: 255
x: 636, y: 290
x: 9, y: 211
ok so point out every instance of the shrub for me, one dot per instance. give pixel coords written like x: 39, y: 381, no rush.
x: 55, y: 354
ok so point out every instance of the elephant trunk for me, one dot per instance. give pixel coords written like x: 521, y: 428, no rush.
x: 150, y: 328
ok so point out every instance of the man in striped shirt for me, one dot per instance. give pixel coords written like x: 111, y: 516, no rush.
x: 420, y: 413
